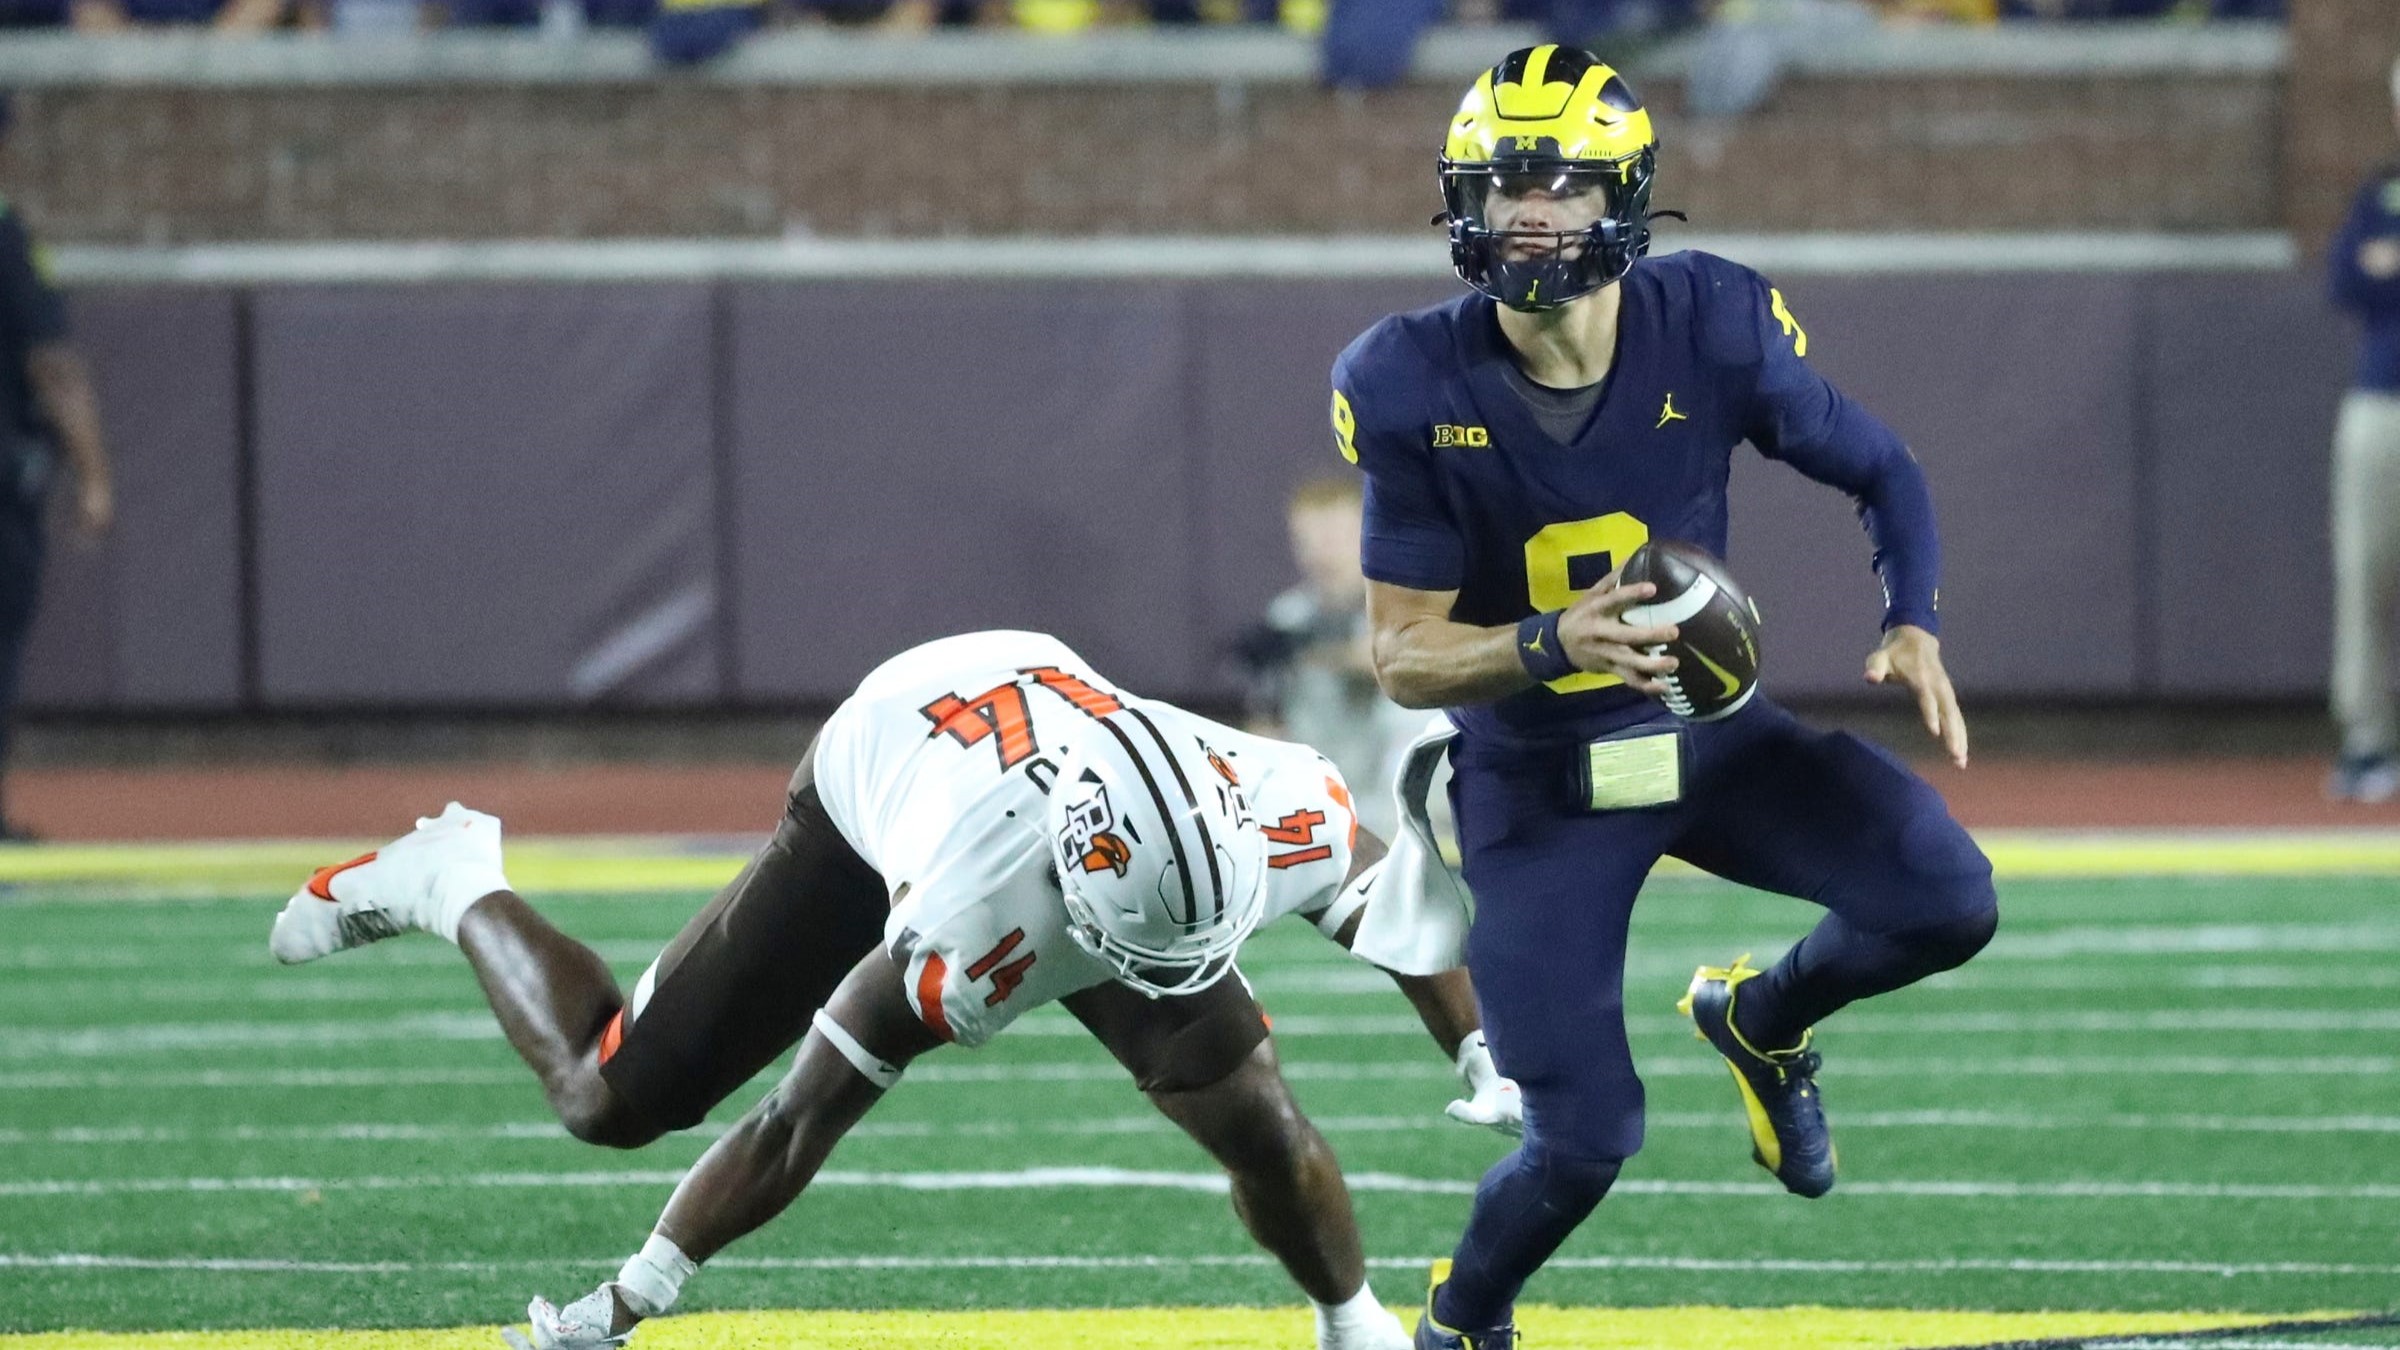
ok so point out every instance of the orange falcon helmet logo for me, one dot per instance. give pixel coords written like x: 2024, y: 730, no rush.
x: 1107, y: 853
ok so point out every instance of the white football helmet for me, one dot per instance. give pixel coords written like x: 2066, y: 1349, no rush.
x: 1162, y: 865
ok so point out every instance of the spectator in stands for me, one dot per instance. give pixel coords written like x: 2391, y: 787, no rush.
x: 2088, y: 9
x: 33, y: 14
x: 223, y: 16
x: 554, y: 14
x: 1938, y: 11
x: 1370, y: 43
x: 2364, y: 267
x: 686, y: 32
x: 46, y: 407
x: 1310, y: 677
x: 1067, y: 16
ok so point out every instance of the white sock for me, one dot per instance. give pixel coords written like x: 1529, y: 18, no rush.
x: 456, y: 889
x: 1356, y: 1323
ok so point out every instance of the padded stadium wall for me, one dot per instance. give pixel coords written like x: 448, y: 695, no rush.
x: 745, y: 492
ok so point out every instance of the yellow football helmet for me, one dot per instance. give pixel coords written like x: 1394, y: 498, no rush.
x: 1556, y: 123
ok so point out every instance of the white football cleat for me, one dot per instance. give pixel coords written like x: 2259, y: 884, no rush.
x: 396, y: 889
x: 581, y: 1325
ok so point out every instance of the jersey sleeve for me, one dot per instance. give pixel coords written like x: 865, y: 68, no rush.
x: 1305, y: 809
x: 963, y: 972
x: 1408, y: 537
x: 2371, y: 215
x: 1796, y: 415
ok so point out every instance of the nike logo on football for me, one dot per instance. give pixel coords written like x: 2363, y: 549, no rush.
x: 1668, y: 414
x: 1731, y: 684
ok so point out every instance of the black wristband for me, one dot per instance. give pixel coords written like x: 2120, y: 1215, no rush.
x: 1540, y: 649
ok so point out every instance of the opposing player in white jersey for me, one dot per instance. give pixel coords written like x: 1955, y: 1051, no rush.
x: 985, y: 826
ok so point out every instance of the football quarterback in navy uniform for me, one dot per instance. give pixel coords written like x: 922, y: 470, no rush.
x: 1519, y: 443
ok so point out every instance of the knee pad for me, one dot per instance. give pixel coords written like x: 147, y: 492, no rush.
x: 1952, y: 942
x: 1570, y: 1180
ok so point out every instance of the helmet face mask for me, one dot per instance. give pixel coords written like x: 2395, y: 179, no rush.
x: 1546, y: 179
x: 1160, y: 864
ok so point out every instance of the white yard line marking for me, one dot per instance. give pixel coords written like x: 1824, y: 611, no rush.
x: 1284, y: 980
x: 186, y: 1037
x: 1275, y: 983
x: 2148, y: 939
x: 71, y: 1261
x: 1214, y: 1183
x: 2274, y: 1021
x: 2012, y: 1120
x: 1695, y: 1065
x: 2070, y: 975
x: 439, y: 993
x: 79, y: 1081
x: 188, y: 955
x: 189, y: 1038
x: 2223, y: 1343
x: 1699, y: 1065
x: 1429, y: 1122
x: 2162, y: 939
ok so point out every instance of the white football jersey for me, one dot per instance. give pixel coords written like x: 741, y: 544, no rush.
x: 937, y: 770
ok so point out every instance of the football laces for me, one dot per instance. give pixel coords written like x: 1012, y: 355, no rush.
x: 1677, y: 701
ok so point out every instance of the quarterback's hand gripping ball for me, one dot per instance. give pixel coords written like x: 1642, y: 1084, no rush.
x: 1716, y: 643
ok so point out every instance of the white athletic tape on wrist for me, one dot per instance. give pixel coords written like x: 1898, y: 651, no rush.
x: 881, y: 1074
x: 654, y: 1276
x: 1475, y: 1066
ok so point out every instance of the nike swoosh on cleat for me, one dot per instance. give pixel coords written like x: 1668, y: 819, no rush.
x: 320, y: 884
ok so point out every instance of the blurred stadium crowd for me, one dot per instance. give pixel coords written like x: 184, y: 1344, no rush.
x: 691, y: 30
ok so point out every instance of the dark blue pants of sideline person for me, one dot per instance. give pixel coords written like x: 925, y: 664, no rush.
x: 21, y: 550
x: 1767, y: 802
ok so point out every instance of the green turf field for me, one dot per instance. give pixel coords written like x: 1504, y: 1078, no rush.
x: 2150, y: 1094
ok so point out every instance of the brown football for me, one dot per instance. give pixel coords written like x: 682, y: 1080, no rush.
x: 1716, y: 645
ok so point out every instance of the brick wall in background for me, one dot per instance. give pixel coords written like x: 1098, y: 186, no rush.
x: 159, y: 165
x: 2338, y: 118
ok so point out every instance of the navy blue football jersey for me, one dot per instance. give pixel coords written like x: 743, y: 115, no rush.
x: 2374, y: 214
x: 1466, y: 491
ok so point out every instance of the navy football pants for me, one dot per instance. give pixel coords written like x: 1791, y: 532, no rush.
x: 1768, y: 803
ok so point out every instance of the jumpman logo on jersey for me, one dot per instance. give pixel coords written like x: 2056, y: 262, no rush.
x: 1668, y: 413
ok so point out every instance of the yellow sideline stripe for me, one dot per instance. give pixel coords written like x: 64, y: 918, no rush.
x: 2200, y: 853
x: 616, y: 865
x: 1227, y: 1329
x: 626, y: 865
